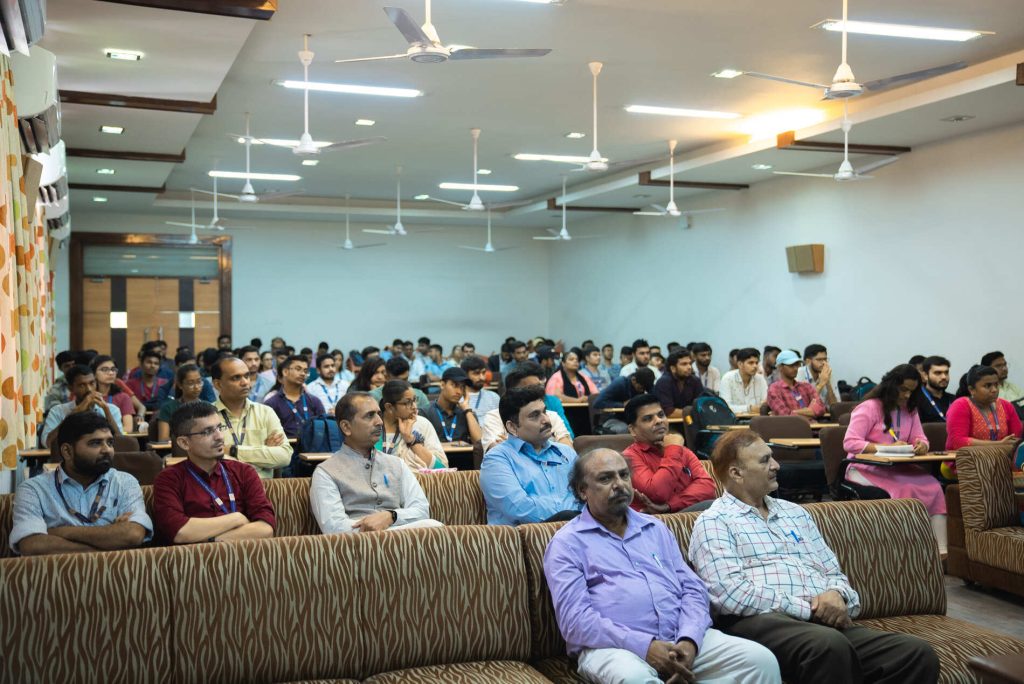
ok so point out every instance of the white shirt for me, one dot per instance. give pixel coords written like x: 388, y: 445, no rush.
x: 711, y: 380
x: 630, y: 368
x: 328, y: 394
x: 494, y: 430
x: 483, y: 402
x: 742, y: 399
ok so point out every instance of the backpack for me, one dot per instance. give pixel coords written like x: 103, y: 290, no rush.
x: 709, y: 409
x: 319, y: 434
x: 861, y: 389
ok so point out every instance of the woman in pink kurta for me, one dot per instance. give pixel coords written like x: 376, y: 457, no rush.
x: 888, y: 416
x: 567, y: 383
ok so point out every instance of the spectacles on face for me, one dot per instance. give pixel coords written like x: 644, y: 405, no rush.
x: 408, y: 403
x: 107, y: 369
x: 193, y: 383
x: 208, y: 432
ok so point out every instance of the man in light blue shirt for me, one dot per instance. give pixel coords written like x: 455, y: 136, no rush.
x: 82, y: 382
x: 434, y: 365
x: 525, y: 479
x: 84, y: 505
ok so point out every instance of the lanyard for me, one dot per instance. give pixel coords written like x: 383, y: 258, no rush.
x: 448, y: 433
x: 384, y: 442
x: 796, y: 395
x: 213, y: 494
x: 305, y: 407
x: 993, y: 432
x: 227, y: 419
x: 479, y: 396
x: 332, y: 397
x: 899, y: 417
x: 935, y: 407
x: 95, y: 512
x: 152, y: 390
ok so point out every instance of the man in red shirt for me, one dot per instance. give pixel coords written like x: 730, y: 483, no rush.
x: 790, y: 397
x: 208, y: 497
x: 667, y: 477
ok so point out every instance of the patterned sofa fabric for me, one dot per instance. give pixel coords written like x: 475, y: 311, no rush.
x: 986, y: 488
x: 350, y: 606
x: 87, y: 617
x: 490, y: 672
x: 455, y: 498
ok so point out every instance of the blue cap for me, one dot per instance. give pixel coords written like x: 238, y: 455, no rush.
x: 787, y: 358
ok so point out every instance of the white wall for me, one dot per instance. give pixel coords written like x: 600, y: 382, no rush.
x: 925, y: 258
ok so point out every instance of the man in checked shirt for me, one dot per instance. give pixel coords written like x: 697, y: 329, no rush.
x: 772, y: 579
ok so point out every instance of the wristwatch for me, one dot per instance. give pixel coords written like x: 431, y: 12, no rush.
x: 417, y: 438
x: 394, y: 516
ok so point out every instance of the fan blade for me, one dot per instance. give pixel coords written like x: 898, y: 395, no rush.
x: 475, y: 249
x: 183, y: 225
x: 634, y: 162
x: 758, y: 74
x: 809, y: 175
x: 868, y: 168
x: 648, y: 213
x: 444, y: 201
x: 371, y: 59
x: 349, y: 144
x: 541, y: 237
x: 278, y: 195
x: 496, y: 53
x: 273, y: 143
x: 404, y: 22
x: 585, y: 237
x: 660, y: 209
x: 211, y: 192
x: 889, y: 82
x: 692, y: 212
x: 378, y: 231
x: 372, y: 244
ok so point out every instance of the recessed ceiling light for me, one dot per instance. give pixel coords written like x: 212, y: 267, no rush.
x: 310, y: 162
x: 365, y: 122
x: 99, y: 200
x: 641, y: 196
x: 124, y: 55
x: 727, y: 73
x: 562, y: 158
x: 255, y: 176
x: 479, y: 186
x: 484, y: 172
x: 351, y: 89
x: 761, y: 167
x: 113, y: 130
x: 575, y: 135
x: 106, y: 172
x: 128, y: 256
x: 957, y: 118
x: 421, y: 197
x: 901, y: 30
x: 674, y: 111
x: 281, y: 142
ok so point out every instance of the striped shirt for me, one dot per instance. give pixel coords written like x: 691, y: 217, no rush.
x: 753, y: 566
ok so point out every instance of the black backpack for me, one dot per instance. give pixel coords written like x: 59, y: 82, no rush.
x: 709, y: 409
x: 861, y: 389
x: 319, y: 434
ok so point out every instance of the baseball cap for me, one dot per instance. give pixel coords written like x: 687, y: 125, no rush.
x: 787, y: 358
x: 455, y: 375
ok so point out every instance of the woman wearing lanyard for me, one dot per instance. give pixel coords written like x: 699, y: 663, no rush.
x: 371, y: 376
x: 188, y: 385
x: 406, y: 434
x: 889, y: 416
x: 107, y: 385
x: 567, y: 383
x: 982, y: 418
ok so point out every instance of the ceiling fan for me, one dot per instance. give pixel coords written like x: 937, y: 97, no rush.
x: 846, y: 171
x: 398, y: 228
x: 475, y: 203
x: 671, y: 209
x: 348, y: 238
x: 489, y: 248
x: 248, y: 193
x: 193, y: 238
x: 562, y: 234
x: 306, y: 146
x: 425, y: 46
x: 844, y: 84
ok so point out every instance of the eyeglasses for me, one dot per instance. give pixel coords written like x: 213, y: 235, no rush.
x: 208, y: 432
x: 107, y: 369
x: 193, y: 383
x: 406, y: 402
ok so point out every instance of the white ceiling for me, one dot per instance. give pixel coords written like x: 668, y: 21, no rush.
x: 655, y: 52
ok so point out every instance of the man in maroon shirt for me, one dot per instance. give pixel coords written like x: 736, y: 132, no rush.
x: 667, y: 477
x: 208, y: 497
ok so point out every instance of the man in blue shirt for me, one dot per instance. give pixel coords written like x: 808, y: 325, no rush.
x: 84, y: 505
x: 624, y: 388
x: 82, y: 382
x: 525, y: 479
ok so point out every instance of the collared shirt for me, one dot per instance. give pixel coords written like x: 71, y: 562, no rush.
x: 784, y: 399
x: 600, y: 377
x: 177, y: 496
x: 753, y: 566
x: 1010, y: 392
x: 673, y: 394
x: 328, y: 394
x: 523, y: 486
x: 937, y: 413
x: 631, y: 368
x: 61, y: 411
x: 483, y: 401
x: 742, y: 398
x: 294, y: 414
x: 38, y: 506
x: 804, y: 375
x: 493, y: 430
x: 612, y: 369
x: 152, y: 396
x: 249, y: 431
x: 623, y: 592
x: 671, y: 475
x: 436, y: 369
x: 710, y: 379
x: 58, y: 393
x: 457, y: 424
x: 265, y: 382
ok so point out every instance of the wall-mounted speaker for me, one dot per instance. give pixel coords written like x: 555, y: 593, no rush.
x: 806, y: 258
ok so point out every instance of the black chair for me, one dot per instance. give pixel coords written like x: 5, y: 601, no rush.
x: 834, y: 455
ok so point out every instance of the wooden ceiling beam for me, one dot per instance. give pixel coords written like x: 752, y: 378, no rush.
x: 242, y: 9
x: 118, y: 188
x: 127, y: 156
x: 553, y: 205
x: 788, y: 141
x: 133, y: 102
x: 645, y: 179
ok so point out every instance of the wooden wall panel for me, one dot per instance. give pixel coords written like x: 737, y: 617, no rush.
x: 207, y: 302
x: 96, y: 314
x: 166, y: 312
x: 141, y: 296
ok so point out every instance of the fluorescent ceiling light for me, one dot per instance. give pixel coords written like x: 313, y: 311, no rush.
x: 124, y: 55
x: 901, y: 30
x: 484, y: 172
x: 350, y: 88
x: 575, y: 135
x: 254, y: 176
x: 113, y: 130
x: 99, y: 200
x: 479, y: 186
x: 727, y: 73
x: 310, y: 162
x: 106, y: 172
x: 421, y: 197
x: 761, y: 167
x: 674, y: 111
x: 282, y: 142
x: 365, y: 122
x: 563, y: 158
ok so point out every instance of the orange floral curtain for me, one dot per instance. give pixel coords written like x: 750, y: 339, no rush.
x: 26, y: 304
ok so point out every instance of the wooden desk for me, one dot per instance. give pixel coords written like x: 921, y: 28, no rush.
x: 614, y: 409
x: 173, y: 460
x: 137, y: 435
x: 457, y: 447
x: 728, y: 428
x: 884, y: 459
x: 819, y: 426
x: 575, y: 404
x: 674, y: 421
x: 796, y: 442
x: 32, y: 454
x: 159, y: 446
x: 316, y: 457
x: 746, y: 415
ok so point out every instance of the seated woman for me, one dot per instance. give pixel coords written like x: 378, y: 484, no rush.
x: 407, y: 434
x: 371, y: 376
x: 188, y: 385
x: 568, y: 383
x: 105, y: 370
x: 981, y: 418
x: 888, y: 416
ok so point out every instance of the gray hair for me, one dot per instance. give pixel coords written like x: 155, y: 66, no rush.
x: 579, y: 468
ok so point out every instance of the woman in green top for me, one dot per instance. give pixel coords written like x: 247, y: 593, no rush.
x: 188, y: 385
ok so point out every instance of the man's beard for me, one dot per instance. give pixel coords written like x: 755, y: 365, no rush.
x: 95, y: 469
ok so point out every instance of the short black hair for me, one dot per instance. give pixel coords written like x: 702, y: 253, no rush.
x: 747, y: 353
x: 396, y: 365
x: 184, y: 417
x: 209, y: 357
x: 256, y: 342
x: 306, y: 350
x: 990, y: 358
x: 241, y: 351
x: 934, y: 361
x: 526, y: 370
x: 515, y: 399
x: 78, y: 425
x: 66, y: 357
x: 916, y: 359
x: 293, y: 359
x: 369, y: 350
x: 644, y: 376
x: 812, y: 350
x: 183, y: 357
x: 473, y: 363
x: 150, y: 354
x: 438, y: 348
x: 345, y: 409
x: 700, y: 348
x: 733, y: 353
x: 283, y: 351
x: 75, y: 371
x: 628, y: 351
x: 516, y: 344
x: 673, y: 358
x: 423, y: 340
x: 978, y: 372
x: 634, y: 405
x: 769, y: 348
x: 222, y: 336
x: 323, y: 357
x: 640, y: 344
x: 392, y: 391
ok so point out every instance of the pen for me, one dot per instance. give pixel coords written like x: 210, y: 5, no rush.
x: 892, y: 434
x: 386, y: 483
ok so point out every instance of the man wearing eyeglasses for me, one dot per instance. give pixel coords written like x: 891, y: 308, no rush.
x: 84, y: 505
x: 208, y: 497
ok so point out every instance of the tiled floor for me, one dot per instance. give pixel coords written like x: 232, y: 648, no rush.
x: 990, y: 608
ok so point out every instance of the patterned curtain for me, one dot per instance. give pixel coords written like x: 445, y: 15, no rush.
x: 26, y: 304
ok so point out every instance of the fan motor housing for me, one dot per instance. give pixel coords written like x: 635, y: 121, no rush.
x: 427, y: 54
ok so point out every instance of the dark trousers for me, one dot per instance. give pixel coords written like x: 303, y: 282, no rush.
x: 811, y: 652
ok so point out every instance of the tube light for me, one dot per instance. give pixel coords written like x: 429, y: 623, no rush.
x: 106, y: 172
x: 350, y: 88
x: 727, y: 73
x: 421, y: 197
x: 484, y: 172
x: 562, y: 158
x: 673, y: 111
x: 124, y: 55
x: 113, y: 130
x: 901, y: 30
x: 365, y: 122
x: 310, y: 162
x: 479, y: 186
x: 254, y: 176
x: 99, y: 200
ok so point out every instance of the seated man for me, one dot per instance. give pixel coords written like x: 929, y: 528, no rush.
x: 479, y: 397
x: 291, y: 402
x: 82, y: 382
x: 790, y: 397
x: 628, y: 606
x: 60, y: 391
x: 622, y: 389
x: 934, y: 400
x: 327, y: 387
x: 678, y: 388
x: 148, y: 386
x: 525, y: 479
x: 397, y: 368
x: 773, y: 579
x: 1007, y: 390
x: 361, y: 489
x: 86, y: 505
x: 817, y: 371
x: 208, y: 497
x: 709, y: 376
x: 667, y: 476
x: 528, y: 375
x: 742, y: 388
x: 641, y: 359
x: 451, y: 414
